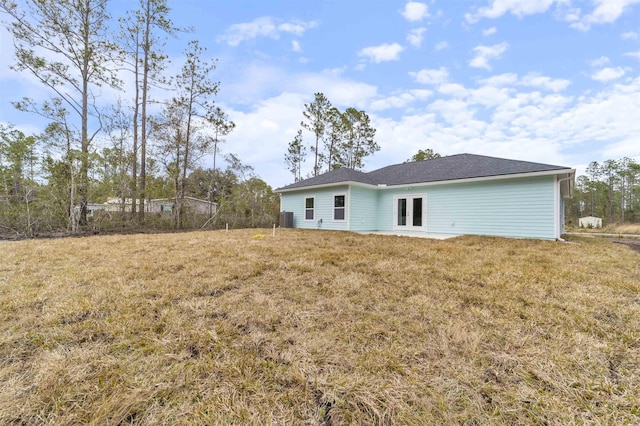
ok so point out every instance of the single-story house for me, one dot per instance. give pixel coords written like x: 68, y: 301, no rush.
x: 454, y: 195
x: 163, y: 205
x: 590, y: 222
x: 196, y: 205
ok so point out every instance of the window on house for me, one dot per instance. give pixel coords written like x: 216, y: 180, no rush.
x: 308, y: 208
x: 338, y: 207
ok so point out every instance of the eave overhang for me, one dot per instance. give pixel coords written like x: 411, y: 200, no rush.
x: 569, y: 175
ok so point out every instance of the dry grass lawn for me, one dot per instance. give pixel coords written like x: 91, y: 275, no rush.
x: 318, y: 328
x: 627, y: 228
x: 618, y: 228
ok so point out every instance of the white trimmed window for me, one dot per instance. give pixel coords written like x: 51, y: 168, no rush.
x: 309, y: 209
x: 339, y: 207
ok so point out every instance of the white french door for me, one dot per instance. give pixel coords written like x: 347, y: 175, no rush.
x: 410, y: 212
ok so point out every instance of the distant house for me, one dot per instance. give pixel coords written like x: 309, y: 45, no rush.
x: 164, y: 205
x: 454, y: 195
x: 590, y: 222
x: 195, y: 205
x: 115, y: 205
x: 92, y: 207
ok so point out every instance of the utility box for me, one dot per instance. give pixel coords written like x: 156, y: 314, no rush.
x: 286, y: 219
x: 590, y: 222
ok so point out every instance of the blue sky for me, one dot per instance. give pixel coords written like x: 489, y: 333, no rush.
x: 553, y: 81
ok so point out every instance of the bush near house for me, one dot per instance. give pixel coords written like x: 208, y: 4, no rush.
x: 313, y: 327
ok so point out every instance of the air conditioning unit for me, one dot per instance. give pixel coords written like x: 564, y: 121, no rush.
x: 286, y: 219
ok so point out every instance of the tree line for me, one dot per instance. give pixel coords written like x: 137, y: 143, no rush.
x: 147, y: 144
x: 609, y: 190
x: 340, y: 138
x: 34, y: 191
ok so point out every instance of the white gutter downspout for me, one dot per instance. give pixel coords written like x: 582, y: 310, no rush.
x: 348, y: 206
x: 559, y: 181
x: 566, y: 178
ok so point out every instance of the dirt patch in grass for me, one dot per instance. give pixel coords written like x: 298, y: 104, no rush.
x: 632, y: 244
x: 314, y: 327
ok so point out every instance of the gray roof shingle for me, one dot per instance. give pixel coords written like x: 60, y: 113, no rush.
x: 453, y: 167
x: 335, y: 176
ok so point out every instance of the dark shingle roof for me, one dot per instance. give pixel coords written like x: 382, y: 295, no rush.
x: 461, y: 166
x: 454, y: 167
x: 334, y: 176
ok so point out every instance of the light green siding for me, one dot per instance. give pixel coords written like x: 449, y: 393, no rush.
x: 511, y: 207
x: 364, y: 209
x: 323, y: 204
x: 515, y: 207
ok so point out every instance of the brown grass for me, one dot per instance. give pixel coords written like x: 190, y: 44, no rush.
x: 616, y: 228
x: 627, y: 228
x: 318, y: 328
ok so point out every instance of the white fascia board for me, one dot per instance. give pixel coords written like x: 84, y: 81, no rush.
x: 480, y: 179
x: 328, y: 185
x: 440, y: 182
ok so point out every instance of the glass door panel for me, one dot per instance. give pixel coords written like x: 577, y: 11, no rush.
x: 402, y: 212
x: 417, y: 211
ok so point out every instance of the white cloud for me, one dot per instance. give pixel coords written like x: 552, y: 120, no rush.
x: 601, y: 61
x: 629, y: 35
x: 274, y: 119
x: 484, y: 54
x: 341, y: 91
x: 605, y: 12
x: 453, y: 111
x: 441, y: 45
x: 416, y: 36
x: 296, y: 28
x: 489, y: 96
x: 506, y: 79
x: 295, y: 46
x: 543, y: 82
x: 567, y: 13
x: 627, y: 147
x: 264, y: 26
x: 531, y: 125
x: 431, y: 76
x: 259, y: 81
x: 383, y: 53
x: 415, y: 11
x: 606, y: 116
x: 525, y: 125
x: 531, y: 79
x: 453, y: 89
x: 489, y: 31
x: 633, y: 54
x: 400, y: 100
x: 421, y: 94
x: 608, y: 74
x: 519, y: 8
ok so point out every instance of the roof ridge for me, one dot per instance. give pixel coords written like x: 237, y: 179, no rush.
x: 449, y: 168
